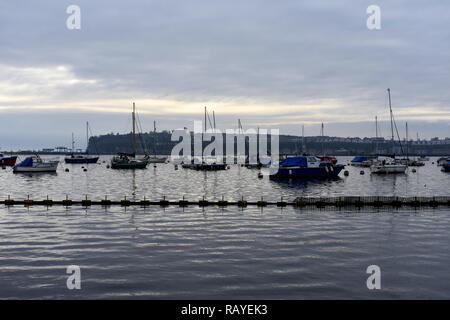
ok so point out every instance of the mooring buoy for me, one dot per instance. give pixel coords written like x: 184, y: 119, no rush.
x: 66, y: 170
x: 361, y: 172
x: 260, y: 175
x: 414, y: 170
x: 346, y: 173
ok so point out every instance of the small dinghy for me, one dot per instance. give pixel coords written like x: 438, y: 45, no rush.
x: 36, y: 164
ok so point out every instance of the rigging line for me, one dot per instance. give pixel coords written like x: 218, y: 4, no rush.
x: 209, y: 120
x: 141, y: 138
x: 398, y: 135
x: 93, y: 140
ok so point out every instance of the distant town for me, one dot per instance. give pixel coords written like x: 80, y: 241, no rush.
x: 160, y: 143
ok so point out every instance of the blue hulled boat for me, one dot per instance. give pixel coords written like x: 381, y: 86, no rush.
x: 79, y: 159
x: 305, y: 167
x: 446, y: 166
x: 362, y: 161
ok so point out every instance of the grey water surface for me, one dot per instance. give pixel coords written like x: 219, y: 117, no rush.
x: 221, y: 253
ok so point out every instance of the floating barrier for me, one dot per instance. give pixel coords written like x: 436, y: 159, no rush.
x: 301, y: 202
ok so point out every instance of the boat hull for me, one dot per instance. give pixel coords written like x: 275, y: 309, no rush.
x: 205, y: 166
x: 41, y: 168
x: 319, y: 172
x: 81, y: 160
x: 8, y: 161
x: 388, y: 169
x: 161, y: 160
x: 129, y: 165
x: 446, y: 167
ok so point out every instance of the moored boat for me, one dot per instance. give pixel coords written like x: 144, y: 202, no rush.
x: 443, y: 160
x: 129, y: 160
x: 36, y: 164
x: 331, y: 159
x: 410, y: 162
x: 389, y: 165
x: 157, y: 159
x: 204, y: 163
x: 386, y: 167
x: 81, y: 158
x: 305, y: 167
x: 362, y: 161
x: 7, y: 160
x: 446, y: 166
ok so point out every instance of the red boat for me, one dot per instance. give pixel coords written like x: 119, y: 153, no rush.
x: 7, y: 161
x: 331, y: 159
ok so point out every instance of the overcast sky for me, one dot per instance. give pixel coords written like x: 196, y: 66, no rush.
x: 274, y: 64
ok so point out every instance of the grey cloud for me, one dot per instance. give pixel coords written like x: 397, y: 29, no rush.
x: 287, y: 52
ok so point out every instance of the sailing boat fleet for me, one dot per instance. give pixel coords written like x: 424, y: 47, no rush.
x: 305, y: 166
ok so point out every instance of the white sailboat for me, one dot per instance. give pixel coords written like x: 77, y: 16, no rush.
x: 386, y: 166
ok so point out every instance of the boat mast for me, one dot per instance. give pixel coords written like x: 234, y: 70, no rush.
x: 407, y: 141
x: 204, y: 130
x: 87, y: 136
x: 133, y: 137
x: 392, y: 120
x: 154, y: 138
x: 376, y: 135
x: 323, y: 153
x: 303, y: 139
x: 73, y: 144
x: 214, y: 121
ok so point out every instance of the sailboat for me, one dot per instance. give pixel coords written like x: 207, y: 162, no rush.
x: 154, y: 158
x: 324, y: 157
x: 367, y: 161
x: 407, y: 161
x: 129, y: 160
x: 388, y: 165
x: 82, y: 158
x: 204, y: 165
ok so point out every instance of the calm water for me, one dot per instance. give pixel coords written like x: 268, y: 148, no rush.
x: 220, y: 253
